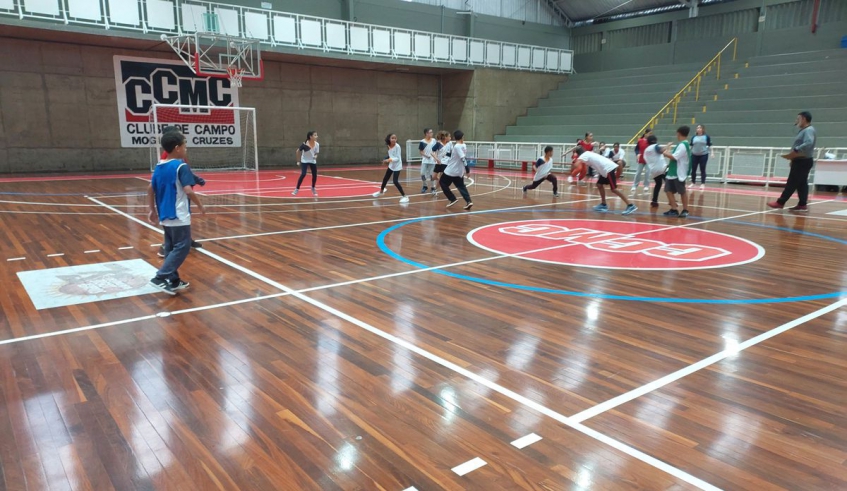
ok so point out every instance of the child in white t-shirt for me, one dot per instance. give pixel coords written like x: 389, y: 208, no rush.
x: 606, y: 169
x: 543, y: 172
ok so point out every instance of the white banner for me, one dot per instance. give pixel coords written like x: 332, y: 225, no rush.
x: 141, y: 82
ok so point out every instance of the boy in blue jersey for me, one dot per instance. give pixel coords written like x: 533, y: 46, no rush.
x: 169, y: 194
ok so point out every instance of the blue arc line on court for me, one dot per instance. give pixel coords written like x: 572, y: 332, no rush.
x: 380, y: 240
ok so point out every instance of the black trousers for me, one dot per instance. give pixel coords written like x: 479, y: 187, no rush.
x: 699, y: 161
x: 550, y: 177
x: 798, y: 180
x: 459, y: 182
x: 303, y: 168
x: 658, y: 187
x: 396, y: 173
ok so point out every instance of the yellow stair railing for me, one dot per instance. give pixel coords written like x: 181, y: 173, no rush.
x: 693, y: 83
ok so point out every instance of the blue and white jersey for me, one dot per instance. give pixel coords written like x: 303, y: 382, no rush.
x: 309, y: 155
x: 169, y: 179
x: 444, y: 151
x: 427, y: 147
x: 543, y: 168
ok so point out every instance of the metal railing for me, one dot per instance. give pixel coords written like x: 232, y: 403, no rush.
x: 694, y: 83
x: 283, y: 29
x: 762, y: 165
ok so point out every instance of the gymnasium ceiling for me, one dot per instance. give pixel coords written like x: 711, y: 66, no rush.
x: 583, y: 10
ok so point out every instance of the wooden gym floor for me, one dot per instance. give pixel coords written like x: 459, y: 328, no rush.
x: 351, y: 343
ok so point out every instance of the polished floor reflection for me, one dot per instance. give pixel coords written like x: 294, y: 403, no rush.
x: 349, y: 343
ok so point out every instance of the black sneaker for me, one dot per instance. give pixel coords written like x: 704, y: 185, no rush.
x: 684, y: 214
x: 469, y: 205
x: 452, y: 203
x: 162, y: 284
x: 161, y: 252
x: 196, y: 244
x: 671, y: 213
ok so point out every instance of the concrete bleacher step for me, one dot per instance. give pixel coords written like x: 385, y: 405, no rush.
x: 755, y: 109
x: 636, y: 119
x: 630, y: 72
x: 825, y: 54
x: 676, y: 79
x: 656, y: 98
x: 591, y: 89
x: 824, y: 115
x: 745, y: 80
x: 785, y: 91
x: 806, y: 68
x: 646, y: 108
x: 668, y: 135
x: 765, y: 102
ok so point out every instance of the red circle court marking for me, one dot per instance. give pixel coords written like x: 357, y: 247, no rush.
x: 612, y: 244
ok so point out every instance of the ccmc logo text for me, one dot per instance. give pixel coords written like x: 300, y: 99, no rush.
x: 615, y: 245
x: 143, y: 82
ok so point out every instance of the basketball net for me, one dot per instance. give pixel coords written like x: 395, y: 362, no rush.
x: 236, y: 75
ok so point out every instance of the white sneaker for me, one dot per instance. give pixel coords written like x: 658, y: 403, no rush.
x: 691, y: 186
x: 314, y: 192
x: 702, y: 187
x: 294, y: 193
x: 378, y: 193
x: 404, y: 199
x: 570, y: 178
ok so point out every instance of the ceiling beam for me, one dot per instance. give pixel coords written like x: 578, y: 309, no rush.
x: 554, y: 5
x: 692, y: 7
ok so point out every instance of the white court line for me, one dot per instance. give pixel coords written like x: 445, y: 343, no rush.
x: 673, y: 377
x: 15, y: 259
x: 76, y: 329
x: 393, y: 220
x: 56, y: 255
x: 526, y: 441
x: 125, y: 248
x: 52, y: 213
x: 91, y: 251
x: 620, y: 446
x: 469, y: 466
x: 290, y: 202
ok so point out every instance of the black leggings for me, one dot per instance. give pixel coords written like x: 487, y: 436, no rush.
x: 699, y: 161
x: 388, y: 173
x: 658, y: 187
x: 535, y: 184
x: 459, y: 182
x: 303, y: 168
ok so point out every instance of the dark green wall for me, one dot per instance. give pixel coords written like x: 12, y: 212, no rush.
x: 760, y: 42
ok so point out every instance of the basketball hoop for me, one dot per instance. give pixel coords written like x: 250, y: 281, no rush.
x: 236, y: 75
x: 210, y: 54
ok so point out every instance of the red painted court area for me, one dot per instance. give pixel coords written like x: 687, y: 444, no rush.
x: 611, y: 244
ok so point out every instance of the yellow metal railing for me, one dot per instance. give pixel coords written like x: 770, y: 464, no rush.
x: 694, y: 83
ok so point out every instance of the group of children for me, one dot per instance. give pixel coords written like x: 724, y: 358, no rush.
x: 442, y: 161
x: 667, y: 165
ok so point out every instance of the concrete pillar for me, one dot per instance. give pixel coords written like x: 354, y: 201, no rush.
x: 349, y: 10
